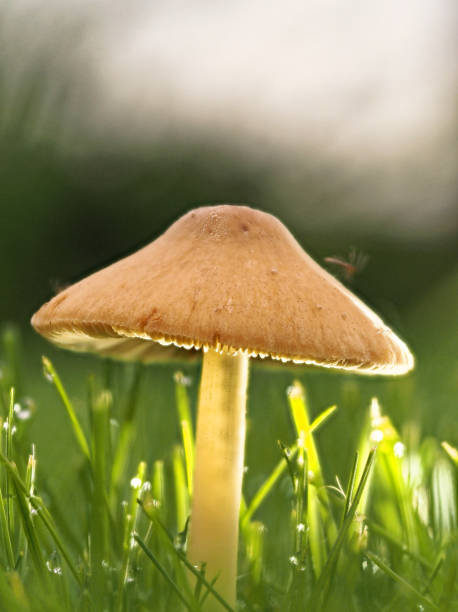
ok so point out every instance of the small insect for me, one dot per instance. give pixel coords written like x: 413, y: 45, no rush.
x: 350, y: 266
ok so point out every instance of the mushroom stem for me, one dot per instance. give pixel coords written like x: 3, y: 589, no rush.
x: 220, y: 443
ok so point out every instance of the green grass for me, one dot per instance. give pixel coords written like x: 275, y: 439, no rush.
x: 96, y: 483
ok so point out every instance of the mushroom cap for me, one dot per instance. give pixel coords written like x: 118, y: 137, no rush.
x: 228, y: 278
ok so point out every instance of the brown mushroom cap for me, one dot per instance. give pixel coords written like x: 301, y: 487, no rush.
x: 229, y: 278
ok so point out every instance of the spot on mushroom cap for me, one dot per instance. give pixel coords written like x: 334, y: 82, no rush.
x: 228, y: 278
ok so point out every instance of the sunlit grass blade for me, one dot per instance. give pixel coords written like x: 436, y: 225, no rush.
x: 389, y: 474
x: 51, y: 375
x: 400, y: 580
x: 267, y: 486
x: 181, y: 491
x: 319, y: 516
x: 321, y: 418
x: 187, y: 434
x: 302, y: 514
x: 451, y: 451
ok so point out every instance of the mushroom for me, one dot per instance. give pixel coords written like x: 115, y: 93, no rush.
x: 232, y: 281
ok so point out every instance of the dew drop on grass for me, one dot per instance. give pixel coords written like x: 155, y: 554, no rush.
x: 294, y: 391
x: 377, y: 435
x: 53, y: 569
x: 136, y: 482
x: 399, y: 449
x: 181, y: 379
x: 23, y: 414
x: 146, y: 487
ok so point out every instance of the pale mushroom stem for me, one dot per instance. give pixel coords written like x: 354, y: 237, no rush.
x: 220, y: 443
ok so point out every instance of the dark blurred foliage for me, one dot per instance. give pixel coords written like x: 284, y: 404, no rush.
x: 72, y: 201
x: 62, y: 217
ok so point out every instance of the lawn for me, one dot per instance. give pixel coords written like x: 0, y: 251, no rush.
x: 349, y: 495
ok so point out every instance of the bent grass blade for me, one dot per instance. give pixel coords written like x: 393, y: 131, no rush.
x: 279, y: 469
x: 51, y: 375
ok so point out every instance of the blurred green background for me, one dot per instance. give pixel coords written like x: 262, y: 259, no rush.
x: 82, y: 185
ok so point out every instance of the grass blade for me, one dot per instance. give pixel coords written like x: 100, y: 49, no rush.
x: 9, y: 454
x: 400, y: 580
x: 266, y: 488
x: 278, y: 470
x: 3, y: 514
x: 51, y: 374
x: 326, y: 575
x: 184, y: 414
x: 351, y: 484
x: 164, y: 573
x: 181, y: 492
x: 158, y: 486
x: 451, y: 451
x: 100, y: 518
x: 319, y: 516
x: 127, y: 428
x: 42, y: 512
x: 167, y: 539
x: 30, y: 530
